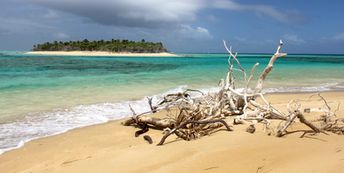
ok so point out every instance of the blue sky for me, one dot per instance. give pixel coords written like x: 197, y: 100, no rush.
x: 306, y: 26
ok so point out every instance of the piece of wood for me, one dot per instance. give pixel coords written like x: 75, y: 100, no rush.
x: 281, y: 131
x: 268, y: 68
x: 148, y: 139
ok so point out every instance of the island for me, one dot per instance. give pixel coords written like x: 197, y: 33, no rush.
x: 113, y: 47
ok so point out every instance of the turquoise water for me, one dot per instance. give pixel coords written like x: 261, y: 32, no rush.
x: 64, y: 92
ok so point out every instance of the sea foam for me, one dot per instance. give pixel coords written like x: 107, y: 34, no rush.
x: 13, y: 135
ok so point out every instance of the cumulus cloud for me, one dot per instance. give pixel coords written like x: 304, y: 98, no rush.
x: 132, y: 13
x: 293, y: 39
x: 157, y: 13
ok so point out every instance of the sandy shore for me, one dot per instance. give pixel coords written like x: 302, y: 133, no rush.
x: 97, y: 53
x: 111, y: 147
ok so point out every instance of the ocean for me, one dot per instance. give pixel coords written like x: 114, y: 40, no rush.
x: 46, y: 95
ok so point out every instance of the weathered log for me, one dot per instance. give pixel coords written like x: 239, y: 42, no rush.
x: 152, y: 122
x: 307, y: 123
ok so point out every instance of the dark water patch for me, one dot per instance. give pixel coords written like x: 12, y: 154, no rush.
x: 27, y: 86
x: 315, y: 59
x: 81, y: 65
x: 112, y: 66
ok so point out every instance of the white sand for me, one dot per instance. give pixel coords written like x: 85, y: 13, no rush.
x: 98, y: 53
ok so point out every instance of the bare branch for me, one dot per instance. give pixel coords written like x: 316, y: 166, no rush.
x: 268, y: 68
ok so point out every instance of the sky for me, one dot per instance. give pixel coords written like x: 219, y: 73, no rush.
x: 194, y: 26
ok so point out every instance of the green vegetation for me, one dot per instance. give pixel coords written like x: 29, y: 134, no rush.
x: 101, y: 45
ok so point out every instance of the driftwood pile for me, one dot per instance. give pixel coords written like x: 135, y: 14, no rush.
x: 200, y: 116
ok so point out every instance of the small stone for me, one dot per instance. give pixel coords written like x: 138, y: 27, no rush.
x: 251, y: 129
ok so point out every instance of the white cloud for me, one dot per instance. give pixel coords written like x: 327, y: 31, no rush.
x: 196, y: 33
x: 333, y: 37
x: 227, y: 4
x: 241, y: 39
x: 339, y: 36
x: 61, y: 35
x: 50, y: 14
x: 260, y: 10
x: 293, y: 39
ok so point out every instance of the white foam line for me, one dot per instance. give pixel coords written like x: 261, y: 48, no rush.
x: 15, y: 134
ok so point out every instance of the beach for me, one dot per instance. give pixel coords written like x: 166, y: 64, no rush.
x: 171, y: 87
x: 99, y: 53
x: 111, y: 147
x: 63, y: 113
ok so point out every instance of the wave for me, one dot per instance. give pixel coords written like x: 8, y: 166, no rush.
x: 295, y: 89
x: 37, y: 125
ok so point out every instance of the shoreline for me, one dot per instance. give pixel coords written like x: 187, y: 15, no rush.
x: 20, y: 136
x: 115, y: 146
x: 100, y: 53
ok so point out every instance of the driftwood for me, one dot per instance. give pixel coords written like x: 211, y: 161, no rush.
x: 148, y: 139
x: 206, y: 114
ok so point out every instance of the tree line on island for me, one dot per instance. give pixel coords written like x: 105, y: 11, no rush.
x: 114, y: 45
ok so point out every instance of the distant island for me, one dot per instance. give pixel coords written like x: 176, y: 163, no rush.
x: 114, y: 45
